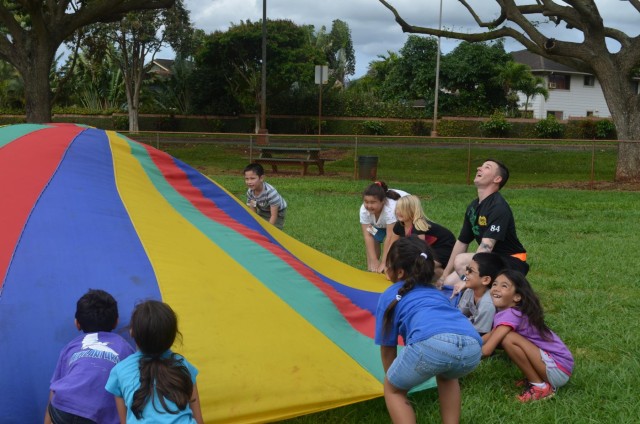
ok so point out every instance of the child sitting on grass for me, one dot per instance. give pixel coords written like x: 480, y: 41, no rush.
x: 475, y: 302
x: 519, y: 328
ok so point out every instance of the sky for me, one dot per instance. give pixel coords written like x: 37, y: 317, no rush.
x: 373, y: 29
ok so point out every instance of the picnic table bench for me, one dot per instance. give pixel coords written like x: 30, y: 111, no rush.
x: 300, y: 156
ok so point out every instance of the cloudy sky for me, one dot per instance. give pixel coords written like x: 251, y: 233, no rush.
x: 373, y: 29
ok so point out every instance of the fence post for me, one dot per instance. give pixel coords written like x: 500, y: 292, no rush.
x: 355, y: 160
x: 469, y: 162
x: 593, y: 162
x: 250, y: 148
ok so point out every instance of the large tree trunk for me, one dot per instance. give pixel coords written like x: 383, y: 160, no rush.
x: 628, y: 129
x: 37, y: 92
x: 624, y: 106
x: 35, y: 66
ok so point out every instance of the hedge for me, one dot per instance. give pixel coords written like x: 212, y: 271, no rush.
x: 290, y: 124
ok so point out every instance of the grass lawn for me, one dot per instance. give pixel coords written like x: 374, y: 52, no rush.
x: 581, y: 243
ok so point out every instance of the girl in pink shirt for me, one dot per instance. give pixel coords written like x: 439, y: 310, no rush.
x: 519, y: 328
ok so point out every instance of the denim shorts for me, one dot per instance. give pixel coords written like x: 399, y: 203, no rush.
x: 555, y: 376
x: 445, y: 355
x: 61, y: 417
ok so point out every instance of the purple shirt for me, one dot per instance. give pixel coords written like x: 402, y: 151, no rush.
x: 556, y: 349
x: 81, y: 373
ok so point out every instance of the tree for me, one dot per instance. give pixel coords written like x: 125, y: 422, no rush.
x: 95, y: 82
x: 11, y: 87
x: 228, y: 66
x: 413, y: 75
x: 469, y: 73
x: 614, y: 70
x: 377, y: 73
x: 138, y: 36
x: 341, y: 56
x: 532, y: 86
x: 510, y: 75
x: 31, y: 32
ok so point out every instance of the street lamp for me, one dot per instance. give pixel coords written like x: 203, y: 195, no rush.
x: 434, y: 128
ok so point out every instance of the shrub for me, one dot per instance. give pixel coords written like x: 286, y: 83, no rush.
x: 605, y: 129
x: 496, y: 126
x: 372, y: 127
x: 549, y: 128
x: 587, y: 129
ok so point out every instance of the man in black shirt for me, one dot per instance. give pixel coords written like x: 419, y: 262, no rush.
x: 489, y: 221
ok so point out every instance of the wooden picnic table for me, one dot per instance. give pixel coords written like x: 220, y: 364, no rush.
x: 300, y: 156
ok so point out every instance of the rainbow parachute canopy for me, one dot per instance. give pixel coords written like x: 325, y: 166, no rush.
x: 275, y: 328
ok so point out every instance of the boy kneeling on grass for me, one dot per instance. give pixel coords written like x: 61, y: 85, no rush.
x: 262, y: 197
x: 519, y: 328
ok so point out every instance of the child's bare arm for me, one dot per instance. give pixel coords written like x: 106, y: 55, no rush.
x: 122, y: 410
x: 194, y: 403
x: 388, y: 355
x: 274, y: 214
x: 47, y: 417
x: 492, y: 340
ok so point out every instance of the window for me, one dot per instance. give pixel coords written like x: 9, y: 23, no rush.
x: 589, y: 113
x: 560, y: 81
x: 556, y: 114
x: 589, y: 81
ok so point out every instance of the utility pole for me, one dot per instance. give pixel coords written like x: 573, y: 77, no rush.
x: 262, y: 132
x: 434, y: 128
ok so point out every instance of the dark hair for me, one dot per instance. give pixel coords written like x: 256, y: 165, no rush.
x: 96, y: 311
x: 254, y: 167
x: 489, y: 264
x: 415, y: 257
x: 503, y: 171
x: 380, y: 190
x: 529, y: 304
x: 154, y: 327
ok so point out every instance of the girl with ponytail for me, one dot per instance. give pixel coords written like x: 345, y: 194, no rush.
x: 438, y: 340
x: 155, y: 385
x: 377, y: 218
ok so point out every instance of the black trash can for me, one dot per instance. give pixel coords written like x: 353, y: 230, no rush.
x: 367, y: 167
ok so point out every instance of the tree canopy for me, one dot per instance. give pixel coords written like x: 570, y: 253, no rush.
x: 524, y: 22
x: 32, y: 30
x: 229, y: 64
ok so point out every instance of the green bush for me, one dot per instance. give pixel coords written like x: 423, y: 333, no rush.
x: 496, y: 126
x: 549, y: 128
x: 605, y: 129
x: 372, y: 128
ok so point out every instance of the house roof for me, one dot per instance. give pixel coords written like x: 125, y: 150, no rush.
x: 165, y: 64
x: 542, y: 64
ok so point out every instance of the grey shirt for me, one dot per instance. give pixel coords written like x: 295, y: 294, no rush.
x: 480, y: 314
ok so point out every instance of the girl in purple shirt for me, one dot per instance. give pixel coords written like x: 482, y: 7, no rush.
x: 519, y: 328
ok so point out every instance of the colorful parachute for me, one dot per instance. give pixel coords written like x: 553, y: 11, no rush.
x: 276, y: 328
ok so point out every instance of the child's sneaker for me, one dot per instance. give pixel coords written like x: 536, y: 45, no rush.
x: 532, y: 393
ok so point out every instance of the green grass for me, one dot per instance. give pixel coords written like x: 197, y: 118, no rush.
x: 581, y: 244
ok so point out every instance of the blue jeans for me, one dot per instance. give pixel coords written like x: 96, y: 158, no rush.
x: 61, y: 417
x: 445, y: 355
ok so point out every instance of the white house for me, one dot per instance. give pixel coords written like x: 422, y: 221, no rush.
x: 571, y: 93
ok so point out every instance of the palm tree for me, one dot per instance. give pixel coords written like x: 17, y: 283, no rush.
x: 509, y: 77
x: 532, y: 87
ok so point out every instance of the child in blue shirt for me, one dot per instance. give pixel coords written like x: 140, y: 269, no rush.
x: 439, y: 341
